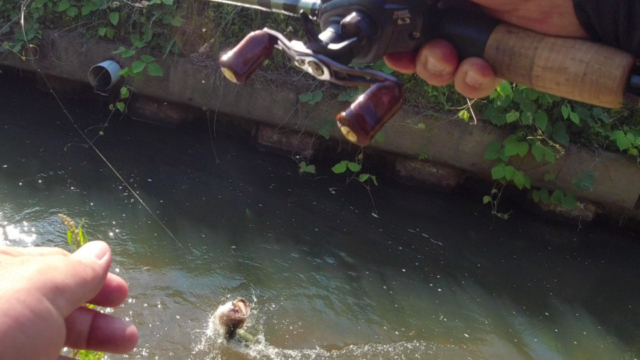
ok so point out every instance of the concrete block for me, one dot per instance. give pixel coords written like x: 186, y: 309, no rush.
x: 284, y: 141
x: 584, y: 213
x: 424, y: 173
x: 160, y: 112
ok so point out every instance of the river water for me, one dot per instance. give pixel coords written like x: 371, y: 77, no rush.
x: 427, y: 276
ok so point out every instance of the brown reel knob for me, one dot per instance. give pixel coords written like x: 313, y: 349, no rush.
x: 240, y: 63
x: 370, y: 112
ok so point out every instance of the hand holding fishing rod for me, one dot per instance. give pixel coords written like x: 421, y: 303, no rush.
x: 364, y: 31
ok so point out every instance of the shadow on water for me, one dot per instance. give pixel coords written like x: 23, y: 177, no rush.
x: 431, y: 276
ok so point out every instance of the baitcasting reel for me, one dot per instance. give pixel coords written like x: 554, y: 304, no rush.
x: 364, y: 118
x: 363, y: 31
x: 346, y: 39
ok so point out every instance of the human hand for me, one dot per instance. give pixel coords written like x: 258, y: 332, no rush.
x: 42, y: 291
x: 437, y: 61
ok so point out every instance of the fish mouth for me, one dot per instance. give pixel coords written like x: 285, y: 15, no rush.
x: 241, y: 307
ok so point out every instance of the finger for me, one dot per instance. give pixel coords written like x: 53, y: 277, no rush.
x: 72, y: 282
x: 475, y: 78
x: 113, y: 293
x: 88, y: 329
x: 403, y: 62
x: 437, y: 62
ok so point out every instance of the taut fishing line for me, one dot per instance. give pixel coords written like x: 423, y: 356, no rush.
x: 24, y: 34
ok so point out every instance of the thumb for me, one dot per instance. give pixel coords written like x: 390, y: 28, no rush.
x: 79, y: 277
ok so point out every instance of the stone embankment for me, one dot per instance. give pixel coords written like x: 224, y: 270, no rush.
x: 454, y: 149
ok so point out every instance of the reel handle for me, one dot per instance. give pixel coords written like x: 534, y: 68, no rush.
x: 574, y: 69
x: 370, y: 112
x: 242, y: 61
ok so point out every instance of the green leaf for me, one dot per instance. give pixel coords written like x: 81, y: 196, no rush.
x: 527, y: 118
x: 102, y: 31
x: 505, y: 89
x: 566, y: 110
x: 509, y: 171
x: 114, y: 17
x: 512, y: 116
x: 110, y: 33
x: 305, y: 98
x: 528, y: 106
x: 498, y: 171
x: 379, y: 137
x: 354, y: 167
x: 493, y: 150
x: 324, y: 133
x: 340, y: 167
x: 541, y: 120
x: 124, y: 92
x: 120, y: 106
x: 557, y: 197
x: 316, y: 96
x: 72, y: 11
x: 634, y: 152
x: 86, y: 9
x: 154, y: 69
x: 549, y: 177
x: 124, y: 72
x: 523, y: 149
x: 167, y: 19
x: 575, y: 118
x: 375, y: 180
x: 147, y: 58
x: 569, y: 202
x: 128, y: 53
x: 486, y: 199
x: 622, y: 140
x: 585, y: 181
x: 364, y: 177
x: 305, y: 168
x: 464, y: 115
x: 511, y: 146
x: 519, y: 179
x: 167, y: 2
x: 177, y: 21
x: 538, y: 151
x: 527, y: 182
x: 137, y: 66
x: 544, y: 196
x: 560, y: 133
x: 64, y: 5
x: 536, y: 195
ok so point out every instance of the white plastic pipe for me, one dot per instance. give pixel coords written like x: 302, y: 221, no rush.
x: 102, y: 76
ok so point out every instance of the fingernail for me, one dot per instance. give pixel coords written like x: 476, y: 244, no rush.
x: 473, y: 80
x: 435, y: 67
x: 96, y: 249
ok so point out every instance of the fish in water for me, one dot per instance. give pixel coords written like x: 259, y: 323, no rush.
x: 229, y: 319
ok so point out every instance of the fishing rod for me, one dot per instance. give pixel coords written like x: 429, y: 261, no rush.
x: 363, y: 31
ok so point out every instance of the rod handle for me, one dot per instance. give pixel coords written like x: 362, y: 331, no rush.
x: 570, y: 68
x: 574, y: 69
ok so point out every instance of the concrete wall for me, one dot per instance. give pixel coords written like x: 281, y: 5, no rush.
x: 444, y: 138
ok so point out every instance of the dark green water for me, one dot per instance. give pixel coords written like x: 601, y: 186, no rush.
x: 431, y: 276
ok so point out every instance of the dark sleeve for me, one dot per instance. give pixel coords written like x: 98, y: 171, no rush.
x: 612, y: 22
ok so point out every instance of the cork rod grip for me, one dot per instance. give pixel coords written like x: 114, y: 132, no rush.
x: 570, y: 68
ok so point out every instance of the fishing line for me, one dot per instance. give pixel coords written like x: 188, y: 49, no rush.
x: 24, y: 34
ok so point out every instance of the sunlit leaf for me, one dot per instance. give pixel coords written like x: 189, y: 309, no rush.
x: 340, y: 167
x: 138, y: 66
